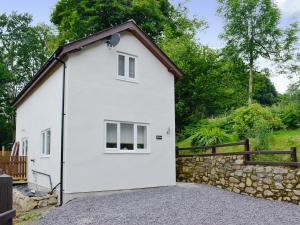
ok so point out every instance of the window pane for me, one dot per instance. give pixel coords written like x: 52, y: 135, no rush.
x: 131, y: 67
x: 121, y: 71
x: 141, y: 137
x: 111, y: 135
x: 48, y: 142
x: 23, y: 147
x: 26, y: 147
x: 127, y: 136
x: 43, y: 142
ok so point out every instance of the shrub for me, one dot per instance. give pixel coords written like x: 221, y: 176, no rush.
x: 245, y: 119
x: 289, y: 115
x: 224, y: 123
x: 262, y: 133
x: 210, y: 136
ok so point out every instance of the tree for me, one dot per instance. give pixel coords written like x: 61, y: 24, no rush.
x: 264, y: 91
x: 252, y: 26
x: 76, y: 19
x: 23, y: 50
x: 6, y: 130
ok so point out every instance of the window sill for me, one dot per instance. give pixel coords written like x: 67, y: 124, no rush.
x: 108, y: 151
x: 45, y: 156
x: 127, y: 80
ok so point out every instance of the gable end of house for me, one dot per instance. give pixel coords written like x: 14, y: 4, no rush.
x: 77, y: 45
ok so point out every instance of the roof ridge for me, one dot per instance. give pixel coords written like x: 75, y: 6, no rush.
x: 90, y: 39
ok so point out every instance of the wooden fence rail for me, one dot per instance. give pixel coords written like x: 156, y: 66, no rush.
x: 198, y: 151
x: 6, y: 211
x: 15, y: 166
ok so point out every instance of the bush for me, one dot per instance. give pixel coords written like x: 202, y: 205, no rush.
x: 262, y: 133
x: 210, y: 136
x: 245, y: 120
x: 289, y: 115
x: 224, y: 123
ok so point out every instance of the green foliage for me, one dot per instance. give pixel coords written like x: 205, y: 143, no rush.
x: 6, y: 129
x: 264, y: 91
x: 252, y: 27
x: 245, y: 120
x: 224, y: 123
x: 23, y: 47
x: 288, y: 108
x: 289, y: 115
x: 262, y: 133
x: 76, y: 19
x: 210, y: 136
x: 23, y: 50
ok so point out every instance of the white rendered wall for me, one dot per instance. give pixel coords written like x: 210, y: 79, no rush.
x: 95, y: 95
x: 42, y: 110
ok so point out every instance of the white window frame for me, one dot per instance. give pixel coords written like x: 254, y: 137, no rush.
x: 126, y: 75
x: 43, y: 145
x: 135, y: 149
x: 24, y: 140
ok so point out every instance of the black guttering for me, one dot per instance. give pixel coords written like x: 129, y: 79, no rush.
x: 62, y: 130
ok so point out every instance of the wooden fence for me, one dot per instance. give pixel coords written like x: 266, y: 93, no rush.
x: 15, y: 166
x: 6, y: 211
x: 4, y: 152
x: 198, y: 151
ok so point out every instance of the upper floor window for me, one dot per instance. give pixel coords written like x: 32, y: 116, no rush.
x: 46, y: 142
x: 24, y: 147
x: 126, y: 66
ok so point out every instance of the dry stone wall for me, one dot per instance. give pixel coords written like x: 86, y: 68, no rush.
x: 230, y: 173
x: 24, y: 203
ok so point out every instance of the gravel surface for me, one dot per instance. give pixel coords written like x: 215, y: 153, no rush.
x: 186, y: 204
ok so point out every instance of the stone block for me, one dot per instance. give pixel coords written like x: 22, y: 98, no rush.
x: 267, y: 180
x: 268, y: 193
x: 279, y: 186
x: 297, y: 192
x: 278, y: 178
x: 250, y: 190
x: 233, y: 180
x: 279, y: 170
x: 248, y: 182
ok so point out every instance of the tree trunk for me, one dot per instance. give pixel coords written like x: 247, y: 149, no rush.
x: 250, y: 82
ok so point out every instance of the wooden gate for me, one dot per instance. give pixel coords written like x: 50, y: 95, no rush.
x: 15, y: 166
x: 6, y: 211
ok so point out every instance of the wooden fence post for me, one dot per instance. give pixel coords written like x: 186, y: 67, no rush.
x: 294, y: 154
x: 6, y: 211
x: 2, y: 151
x: 213, y: 150
x: 247, y: 149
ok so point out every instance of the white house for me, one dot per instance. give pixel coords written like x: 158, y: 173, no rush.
x: 100, y: 118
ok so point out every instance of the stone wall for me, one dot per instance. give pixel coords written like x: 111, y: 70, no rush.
x: 230, y: 173
x: 24, y: 203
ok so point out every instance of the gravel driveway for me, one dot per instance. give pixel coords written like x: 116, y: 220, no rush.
x: 186, y: 204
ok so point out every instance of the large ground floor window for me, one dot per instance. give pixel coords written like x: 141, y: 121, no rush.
x: 126, y: 137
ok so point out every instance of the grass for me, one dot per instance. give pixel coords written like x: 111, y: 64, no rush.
x: 31, y: 217
x: 26, y: 217
x: 281, y: 140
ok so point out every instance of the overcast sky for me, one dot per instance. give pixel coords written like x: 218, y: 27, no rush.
x: 204, y: 9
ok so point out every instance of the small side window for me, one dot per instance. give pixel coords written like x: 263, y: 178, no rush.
x: 46, y: 142
x: 24, y: 147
